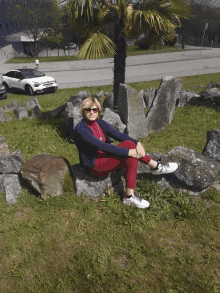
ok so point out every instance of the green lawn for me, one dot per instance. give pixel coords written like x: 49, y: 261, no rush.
x: 72, y: 244
x: 131, y: 51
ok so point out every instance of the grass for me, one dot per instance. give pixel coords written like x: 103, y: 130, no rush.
x: 131, y: 51
x: 72, y: 244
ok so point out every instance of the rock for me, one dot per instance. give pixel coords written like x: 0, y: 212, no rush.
x: 217, y: 85
x: 95, y: 96
x: 211, y: 93
x: 141, y: 95
x: 149, y: 95
x: 195, y: 172
x: 83, y: 94
x: 76, y: 100
x: 198, y: 86
x: 10, y: 107
x: 11, y: 163
x: 55, y: 112
x: 73, y: 116
x: 162, y: 109
x: 100, y: 94
x: 20, y: 113
x: 109, y: 101
x: 113, y: 119
x: 96, y: 186
x: 185, y: 97
x: 4, y: 117
x: 31, y: 103
x: 4, y: 150
x: 131, y: 112
x: 12, y: 187
x: 46, y: 174
x: 36, y: 113
x: 209, y: 85
x: 212, y: 147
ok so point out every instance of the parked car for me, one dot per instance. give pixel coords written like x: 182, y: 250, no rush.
x: 28, y: 80
x: 71, y: 46
x: 3, y: 94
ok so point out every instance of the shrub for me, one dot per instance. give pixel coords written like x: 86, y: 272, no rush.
x: 171, y: 42
x: 144, y: 43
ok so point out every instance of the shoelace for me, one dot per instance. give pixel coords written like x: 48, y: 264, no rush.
x: 137, y: 197
x: 163, y: 164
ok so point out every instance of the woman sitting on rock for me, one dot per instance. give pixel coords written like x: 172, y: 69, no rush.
x: 100, y: 158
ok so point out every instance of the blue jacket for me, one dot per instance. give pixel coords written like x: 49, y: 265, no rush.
x: 88, y: 145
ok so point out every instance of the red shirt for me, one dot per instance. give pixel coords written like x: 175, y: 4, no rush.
x: 97, y: 132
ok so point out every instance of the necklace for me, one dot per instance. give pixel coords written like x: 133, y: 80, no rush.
x: 99, y: 132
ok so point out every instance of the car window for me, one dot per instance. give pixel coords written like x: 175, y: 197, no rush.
x: 10, y: 74
x: 18, y: 75
x: 31, y: 73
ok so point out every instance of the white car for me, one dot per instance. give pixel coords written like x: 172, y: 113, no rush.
x: 71, y: 46
x: 29, y: 80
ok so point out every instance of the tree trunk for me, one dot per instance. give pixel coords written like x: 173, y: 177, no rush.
x: 119, y: 57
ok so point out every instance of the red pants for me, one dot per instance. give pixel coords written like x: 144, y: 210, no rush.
x: 106, y: 164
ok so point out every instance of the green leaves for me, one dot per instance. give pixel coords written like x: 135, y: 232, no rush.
x: 96, y: 46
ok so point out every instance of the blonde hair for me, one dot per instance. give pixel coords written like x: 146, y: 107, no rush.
x: 91, y: 101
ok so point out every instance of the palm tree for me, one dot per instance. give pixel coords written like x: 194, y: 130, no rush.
x: 152, y: 17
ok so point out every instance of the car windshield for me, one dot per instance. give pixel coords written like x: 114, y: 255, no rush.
x: 31, y: 73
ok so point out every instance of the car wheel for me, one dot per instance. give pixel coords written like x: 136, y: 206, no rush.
x: 6, y: 87
x: 29, y: 90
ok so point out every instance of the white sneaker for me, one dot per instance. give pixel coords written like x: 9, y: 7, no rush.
x: 164, y: 168
x: 137, y: 201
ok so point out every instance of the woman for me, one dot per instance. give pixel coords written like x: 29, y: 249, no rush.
x: 100, y: 158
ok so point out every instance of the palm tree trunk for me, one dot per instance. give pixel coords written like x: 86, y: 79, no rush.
x: 119, y: 57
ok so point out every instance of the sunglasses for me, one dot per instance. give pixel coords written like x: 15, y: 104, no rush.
x: 88, y: 110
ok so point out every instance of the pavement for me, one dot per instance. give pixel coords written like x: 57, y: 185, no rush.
x: 51, y: 68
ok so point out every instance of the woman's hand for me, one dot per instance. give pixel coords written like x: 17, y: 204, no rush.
x: 133, y: 153
x: 140, y: 150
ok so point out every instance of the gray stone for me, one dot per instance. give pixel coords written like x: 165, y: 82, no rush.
x: 10, y: 107
x: 131, y: 112
x: 4, y: 150
x: 209, y: 85
x: 2, y: 176
x: 95, y: 186
x: 31, y: 103
x: 20, y: 113
x: 195, y: 172
x: 113, y: 119
x: 185, y: 97
x: 100, y: 94
x: 11, y: 163
x: 4, y: 117
x: 83, y: 94
x: 217, y: 85
x: 76, y: 100
x: 12, y: 187
x: 162, y: 109
x: 149, y: 95
x: 69, y: 118
x: 209, y: 94
x: 198, y: 86
x: 56, y: 112
x: 36, y: 113
x: 141, y: 95
x: 109, y: 101
x: 212, y: 147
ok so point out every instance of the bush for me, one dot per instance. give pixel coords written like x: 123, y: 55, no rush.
x: 171, y: 42
x: 144, y: 43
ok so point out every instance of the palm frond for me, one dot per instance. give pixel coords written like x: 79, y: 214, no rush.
x: 96, y: 46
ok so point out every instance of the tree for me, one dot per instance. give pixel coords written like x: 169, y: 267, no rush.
x: 159, y: 16
x: 33, y: 18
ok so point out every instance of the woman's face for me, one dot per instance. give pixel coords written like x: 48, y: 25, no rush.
x: 91, y: 111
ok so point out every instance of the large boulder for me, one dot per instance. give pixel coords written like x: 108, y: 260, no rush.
x: 54, y: 113
x: 149, y: 95
x: 73, y: 116
x: 4, y: 150
x: 4, y: 117
x: 46, y: 174
x: 11, y: 163
x: 20, y: 113
x: 31, y: 103
x: 95, y: 186
x: 212, y: 147
x: 141, y: 95
x: 11, y: 185
x: 11, y: 106
x: 113, y: 119
x: 36, y: 113
x: 162, y: 109
x: 131, y: 111
x: 210, y: 93
x: 195, y: 172
x: 109, y: 101
x: 185, y: 97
